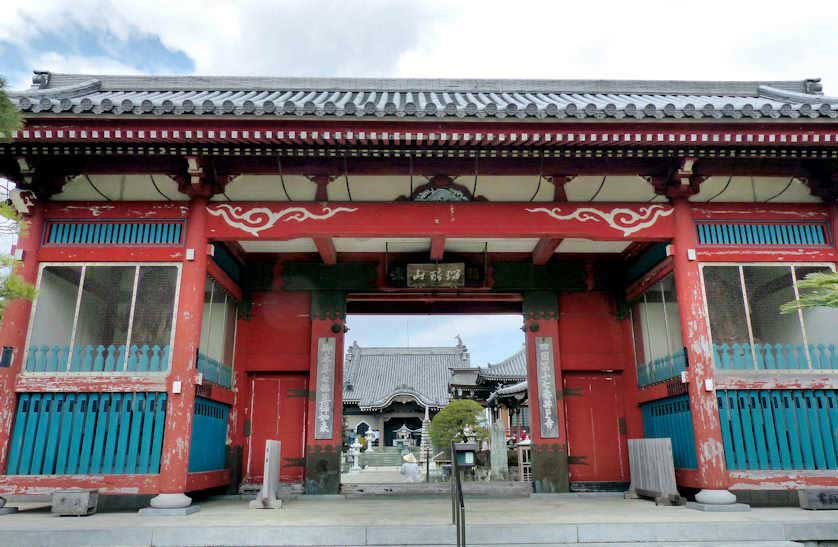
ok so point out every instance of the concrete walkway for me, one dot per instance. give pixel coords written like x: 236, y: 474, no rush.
x: 559, y: 520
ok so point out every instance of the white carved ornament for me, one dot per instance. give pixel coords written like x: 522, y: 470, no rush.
x: 627, y: 221
x: 258, y: 219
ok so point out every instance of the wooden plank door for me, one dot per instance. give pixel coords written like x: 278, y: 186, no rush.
x: 277, y: 411
x: 596, y: 443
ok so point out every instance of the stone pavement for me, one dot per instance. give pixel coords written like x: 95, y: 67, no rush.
x: 381, y: 521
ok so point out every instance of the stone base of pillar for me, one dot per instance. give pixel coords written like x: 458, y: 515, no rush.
x: 717, y: 501
x: 173, y: 512
x: 715, y: 497
x: 727, y: 508
x: 170, y: 501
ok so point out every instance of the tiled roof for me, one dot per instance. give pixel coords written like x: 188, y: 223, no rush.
x: 377, y: 375
x: 508, y: 391
x: 513, y: 367
x: 56, y: 93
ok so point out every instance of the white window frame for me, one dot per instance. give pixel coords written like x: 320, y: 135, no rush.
x: 227, y: 295
x: 644, y: 328
x: 83, y: 265
x: 788, y: 265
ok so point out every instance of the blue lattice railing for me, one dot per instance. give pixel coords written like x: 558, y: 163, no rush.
x: 779, y: 428
x: 671, y: 417
x: 87, y: 433
x: 209, y: 436
x: 723, y: 233
x: 660, y: 370
x: 97, y: 358
x: 215, y: 371
x: 114, y: 233
x: 774, y: 356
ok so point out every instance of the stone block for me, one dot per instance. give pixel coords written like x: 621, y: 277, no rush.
x: 171, y: 512
x: 713, y: 508
x: 74, y: 503
x: 816, y: 499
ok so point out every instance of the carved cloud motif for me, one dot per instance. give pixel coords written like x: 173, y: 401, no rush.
x: 627, y: 221
x: 258, y: 219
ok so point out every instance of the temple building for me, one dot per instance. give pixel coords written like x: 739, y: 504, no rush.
x: 387, y: 388
x: 197, y: 243
x: 502, y: 387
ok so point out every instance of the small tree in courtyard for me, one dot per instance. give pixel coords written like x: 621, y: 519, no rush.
x: 453, y: 422
x: 822, y: 291
x: 12, y: 286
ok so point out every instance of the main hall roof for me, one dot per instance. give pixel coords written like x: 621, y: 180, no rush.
x: 69, y: 94
x: 374, y: 377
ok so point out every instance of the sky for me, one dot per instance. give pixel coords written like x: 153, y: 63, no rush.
x: 489, y: 338
x: 708, y: 40
x: 423, y: 38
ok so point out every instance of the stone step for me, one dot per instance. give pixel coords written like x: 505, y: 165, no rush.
x: 495, y: 489
x: 184, y: 533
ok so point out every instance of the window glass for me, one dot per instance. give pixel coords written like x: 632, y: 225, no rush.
x: 821, y: 325
x: 759, y: 336
x: 156, y: 288
x: 103, y: 318
x: 768, y: 288
x: 52, y: 325
x: 725, y: 306
x: 654, y: 324
x: 104, y: 314
x: 218, y: 324
x: 673, y: 317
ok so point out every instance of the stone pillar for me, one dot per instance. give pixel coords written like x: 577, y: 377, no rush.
x: 174, y: 463
x: 712, y: 474
x: 325, y: 386
x: 544, y: 382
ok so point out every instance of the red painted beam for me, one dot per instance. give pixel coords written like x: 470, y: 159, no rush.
x: 437, y: 247
x: 544, y: 250
x: 110, y: 253
x: 279, y: 220
x: 326, y: 248
x: 90, y: 383
x: 105, y: 484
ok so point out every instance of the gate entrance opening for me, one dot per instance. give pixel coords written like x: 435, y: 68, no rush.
x: 401, y: 371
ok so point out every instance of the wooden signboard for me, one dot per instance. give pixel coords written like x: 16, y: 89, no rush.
x: 436, y: 276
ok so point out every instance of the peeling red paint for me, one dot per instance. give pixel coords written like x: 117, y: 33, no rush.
x: 105, y: 484
x: 706, y: 429
x: 15, y: 324
x: 176, y: 439
x: 776, y: 380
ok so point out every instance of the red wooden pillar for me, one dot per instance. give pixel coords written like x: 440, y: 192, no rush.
x: 712, y: 475
x: 174, y: 463
x: 548, y: 429
x: 324, y: 419
x: 15, y: 324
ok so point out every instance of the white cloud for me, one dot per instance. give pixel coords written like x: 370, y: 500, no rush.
x: 492, y: 38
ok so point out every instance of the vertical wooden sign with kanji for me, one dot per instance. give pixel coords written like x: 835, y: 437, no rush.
x: 324, y: 396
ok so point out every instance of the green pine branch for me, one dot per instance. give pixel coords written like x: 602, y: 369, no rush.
x: 10, y: 119
x: 12, y: 286
x: 821, y: 292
